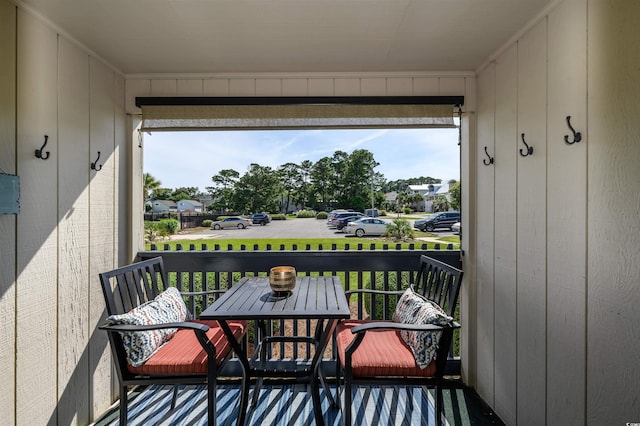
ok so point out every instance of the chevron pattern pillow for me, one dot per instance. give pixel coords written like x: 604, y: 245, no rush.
x: 413, y: 308
x: 167, y: 307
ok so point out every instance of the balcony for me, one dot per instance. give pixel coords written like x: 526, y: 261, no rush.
x: 290, y: 402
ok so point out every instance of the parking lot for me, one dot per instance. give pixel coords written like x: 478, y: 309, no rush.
x: 290, y: 228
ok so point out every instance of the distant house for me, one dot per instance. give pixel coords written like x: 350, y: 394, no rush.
x: 206, y: 201
x: 164, y: 206
x: 429, y: 193
x: 391, y: 197
x: 190, y: 206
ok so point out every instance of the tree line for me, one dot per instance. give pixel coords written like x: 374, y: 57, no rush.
x: 340, y: 181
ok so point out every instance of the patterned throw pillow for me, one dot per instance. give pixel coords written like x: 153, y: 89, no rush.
x: 412, y: 308
x: 167, y: 307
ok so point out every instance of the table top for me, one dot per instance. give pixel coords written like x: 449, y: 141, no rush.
x: 319, y: 297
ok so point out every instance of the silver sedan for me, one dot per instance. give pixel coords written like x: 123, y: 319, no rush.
x: 366, y: 226
x: 231, y: 222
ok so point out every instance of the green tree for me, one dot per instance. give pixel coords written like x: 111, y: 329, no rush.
x: 185, y: 193
x: 455, y: 195
x: 339, y: 164
x: 321, y: 176
x: 161, y: 194
x: 257, y: 190
x: 289, y: 176
x: 440, y: 204
x: 222, y: 191
x: 150, y: 184
x: 304, y: 170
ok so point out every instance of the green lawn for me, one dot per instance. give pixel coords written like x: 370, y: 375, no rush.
x: 301, y: 243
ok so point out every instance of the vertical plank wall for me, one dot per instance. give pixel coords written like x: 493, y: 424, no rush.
x: 73, y: 227
x: 613, y: 269
x: 37, y: 263
x: 7, y: 222
x: 566, y: 214
x: 51, y: 301
x: 102, y: 209
x: 531, y: 226
x: 566, y: 314
x: 506, y: 158
x: 485, y: 225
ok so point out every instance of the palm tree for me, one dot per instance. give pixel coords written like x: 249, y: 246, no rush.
x: 399, y: 230
x: 150, y: 184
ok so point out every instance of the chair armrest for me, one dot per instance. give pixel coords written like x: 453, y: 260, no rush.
x: 130, y: 327
x: 391, y: 325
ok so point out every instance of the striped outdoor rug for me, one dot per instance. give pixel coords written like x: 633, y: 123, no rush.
x: 281, y: 405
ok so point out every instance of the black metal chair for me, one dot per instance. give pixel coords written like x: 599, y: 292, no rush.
x: 373, y: 352
x: 192, y: 356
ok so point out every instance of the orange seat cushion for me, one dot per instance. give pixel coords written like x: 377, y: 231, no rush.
x: 183, y: 354
x: 381, y: 353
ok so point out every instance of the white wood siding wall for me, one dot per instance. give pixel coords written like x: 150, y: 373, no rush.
x: 613, y: 206
x: 56, y: 365
x: 557, y: 275
x: 7, y: 222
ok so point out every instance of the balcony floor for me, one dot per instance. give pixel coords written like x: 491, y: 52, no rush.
x: 290, y: 404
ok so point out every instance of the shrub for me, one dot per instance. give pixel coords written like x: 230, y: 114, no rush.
x: 170, y: 226
x: 322, y: 215
x: 382, y: 212
x: 305, y: 214
x: 399, y: 230
x: 278, y: 216
x: 207, y: 223
x: 407, y: 210
x: 153, y: 232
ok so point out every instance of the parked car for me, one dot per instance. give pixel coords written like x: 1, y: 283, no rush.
x: 437, y: 220
x: 332, y: 214
x: 342, y: 222
x: 366, y: 226
x: 341, y: 215
x: 231, y: 222
x: 260, y: 218
x: 456, y: 228
x: 372, y: 212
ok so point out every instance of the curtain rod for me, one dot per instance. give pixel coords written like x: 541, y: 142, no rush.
x: 298, y: 100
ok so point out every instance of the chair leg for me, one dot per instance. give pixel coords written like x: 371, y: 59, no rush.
x: 346, y: 407
x: 211, y: 401
x: 175, y: 397
x: 244, y: 400
x: 123, y: 405
x: 438, y: 405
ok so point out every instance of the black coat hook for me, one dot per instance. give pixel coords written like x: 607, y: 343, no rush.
x: 487, y: 163
x: 529, y: 149
x: 95, y: 166
x: 577, y: 137
x: 41, y: 150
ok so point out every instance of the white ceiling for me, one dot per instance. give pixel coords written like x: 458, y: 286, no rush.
x: 254, y: 36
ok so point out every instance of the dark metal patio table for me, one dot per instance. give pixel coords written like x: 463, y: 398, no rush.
x: 318, y: 298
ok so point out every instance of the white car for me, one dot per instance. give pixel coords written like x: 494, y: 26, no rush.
x: 366, y: 226
x: 456, y: 228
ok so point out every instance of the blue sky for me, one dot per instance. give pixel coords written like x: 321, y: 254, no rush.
x: 182, y: 159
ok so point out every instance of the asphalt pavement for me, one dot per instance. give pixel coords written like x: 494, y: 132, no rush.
x: 290, y: 228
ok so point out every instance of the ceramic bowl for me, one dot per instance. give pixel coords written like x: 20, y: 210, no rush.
x: 282, y: 278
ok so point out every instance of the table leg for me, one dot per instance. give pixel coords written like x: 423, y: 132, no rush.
x: 244, y: 362
x: 323, y: 333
